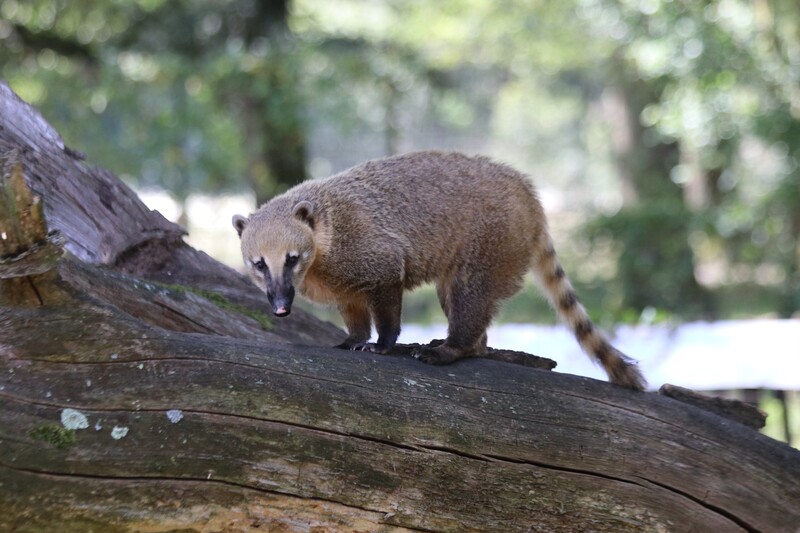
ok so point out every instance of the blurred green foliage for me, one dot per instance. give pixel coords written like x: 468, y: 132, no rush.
x: 659, y: 233
x: 670, y: 129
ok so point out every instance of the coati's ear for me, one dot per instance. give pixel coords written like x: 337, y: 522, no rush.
x: 239, y: 222
x: 304, y: 210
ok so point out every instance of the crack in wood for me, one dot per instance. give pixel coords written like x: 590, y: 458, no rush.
x: 325, y: 431
x: 713, y: 508
x: 413, y: 448
x: 400, y: 394
x: 515, y: 417
x: 189, y: 319
x: 558, y: 468
x: 224, y: 482
x: 418, y: 448
x: 35, y: 290
x: 644, y: 414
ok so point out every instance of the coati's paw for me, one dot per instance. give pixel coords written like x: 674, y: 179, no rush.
x: 373, y: 347
x: 438, y: 355
x: 436, y: 342
x: 346, y: 345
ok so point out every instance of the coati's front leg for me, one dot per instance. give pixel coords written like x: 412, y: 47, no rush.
x: 355, y: 314
x: 386, y: 305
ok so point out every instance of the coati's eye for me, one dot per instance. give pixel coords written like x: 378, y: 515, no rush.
x: 260, y: 265
x: 291, y: 260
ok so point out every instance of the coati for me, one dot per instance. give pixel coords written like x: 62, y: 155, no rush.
x: 360, y: 238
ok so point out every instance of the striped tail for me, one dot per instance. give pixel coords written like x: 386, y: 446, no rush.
x: 620, y: 368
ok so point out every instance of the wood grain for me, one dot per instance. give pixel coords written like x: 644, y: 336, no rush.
x: 477, y: 446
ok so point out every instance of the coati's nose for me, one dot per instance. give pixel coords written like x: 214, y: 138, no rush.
x: 281, y: 310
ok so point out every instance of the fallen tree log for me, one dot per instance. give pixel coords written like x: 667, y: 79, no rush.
x: 127, y: 405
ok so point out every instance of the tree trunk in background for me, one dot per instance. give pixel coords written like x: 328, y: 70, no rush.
x: 128, y: 404
x: 653, y: 227
x: 643, y: 162
x: 790, y: 301
x: 701, y: 190
x: 271, y: 104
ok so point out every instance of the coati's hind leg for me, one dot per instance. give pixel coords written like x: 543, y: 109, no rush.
x: 469, y: 307
x: 355, y: 314
x: 441, y: 292
x: 386, y: 306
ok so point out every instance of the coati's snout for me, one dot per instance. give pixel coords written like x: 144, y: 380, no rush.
x: 280, y: 296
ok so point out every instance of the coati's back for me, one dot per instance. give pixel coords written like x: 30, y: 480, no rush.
x: 435, y: 207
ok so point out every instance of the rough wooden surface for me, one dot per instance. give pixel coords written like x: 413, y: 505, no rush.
x: 133, y: 405
x: 385, y: 441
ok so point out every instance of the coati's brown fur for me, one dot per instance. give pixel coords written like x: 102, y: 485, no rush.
x: 360, y: 238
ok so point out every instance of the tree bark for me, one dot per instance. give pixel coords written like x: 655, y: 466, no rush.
x: 271, y: 104
x: 132, y: 404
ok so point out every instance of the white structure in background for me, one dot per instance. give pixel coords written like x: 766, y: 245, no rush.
x: 698, y: 355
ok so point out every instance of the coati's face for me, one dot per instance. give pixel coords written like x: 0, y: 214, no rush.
x: 278, y: 252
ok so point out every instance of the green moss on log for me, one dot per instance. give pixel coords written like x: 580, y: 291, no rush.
x: 223, y: 303
x: 60, y: 437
